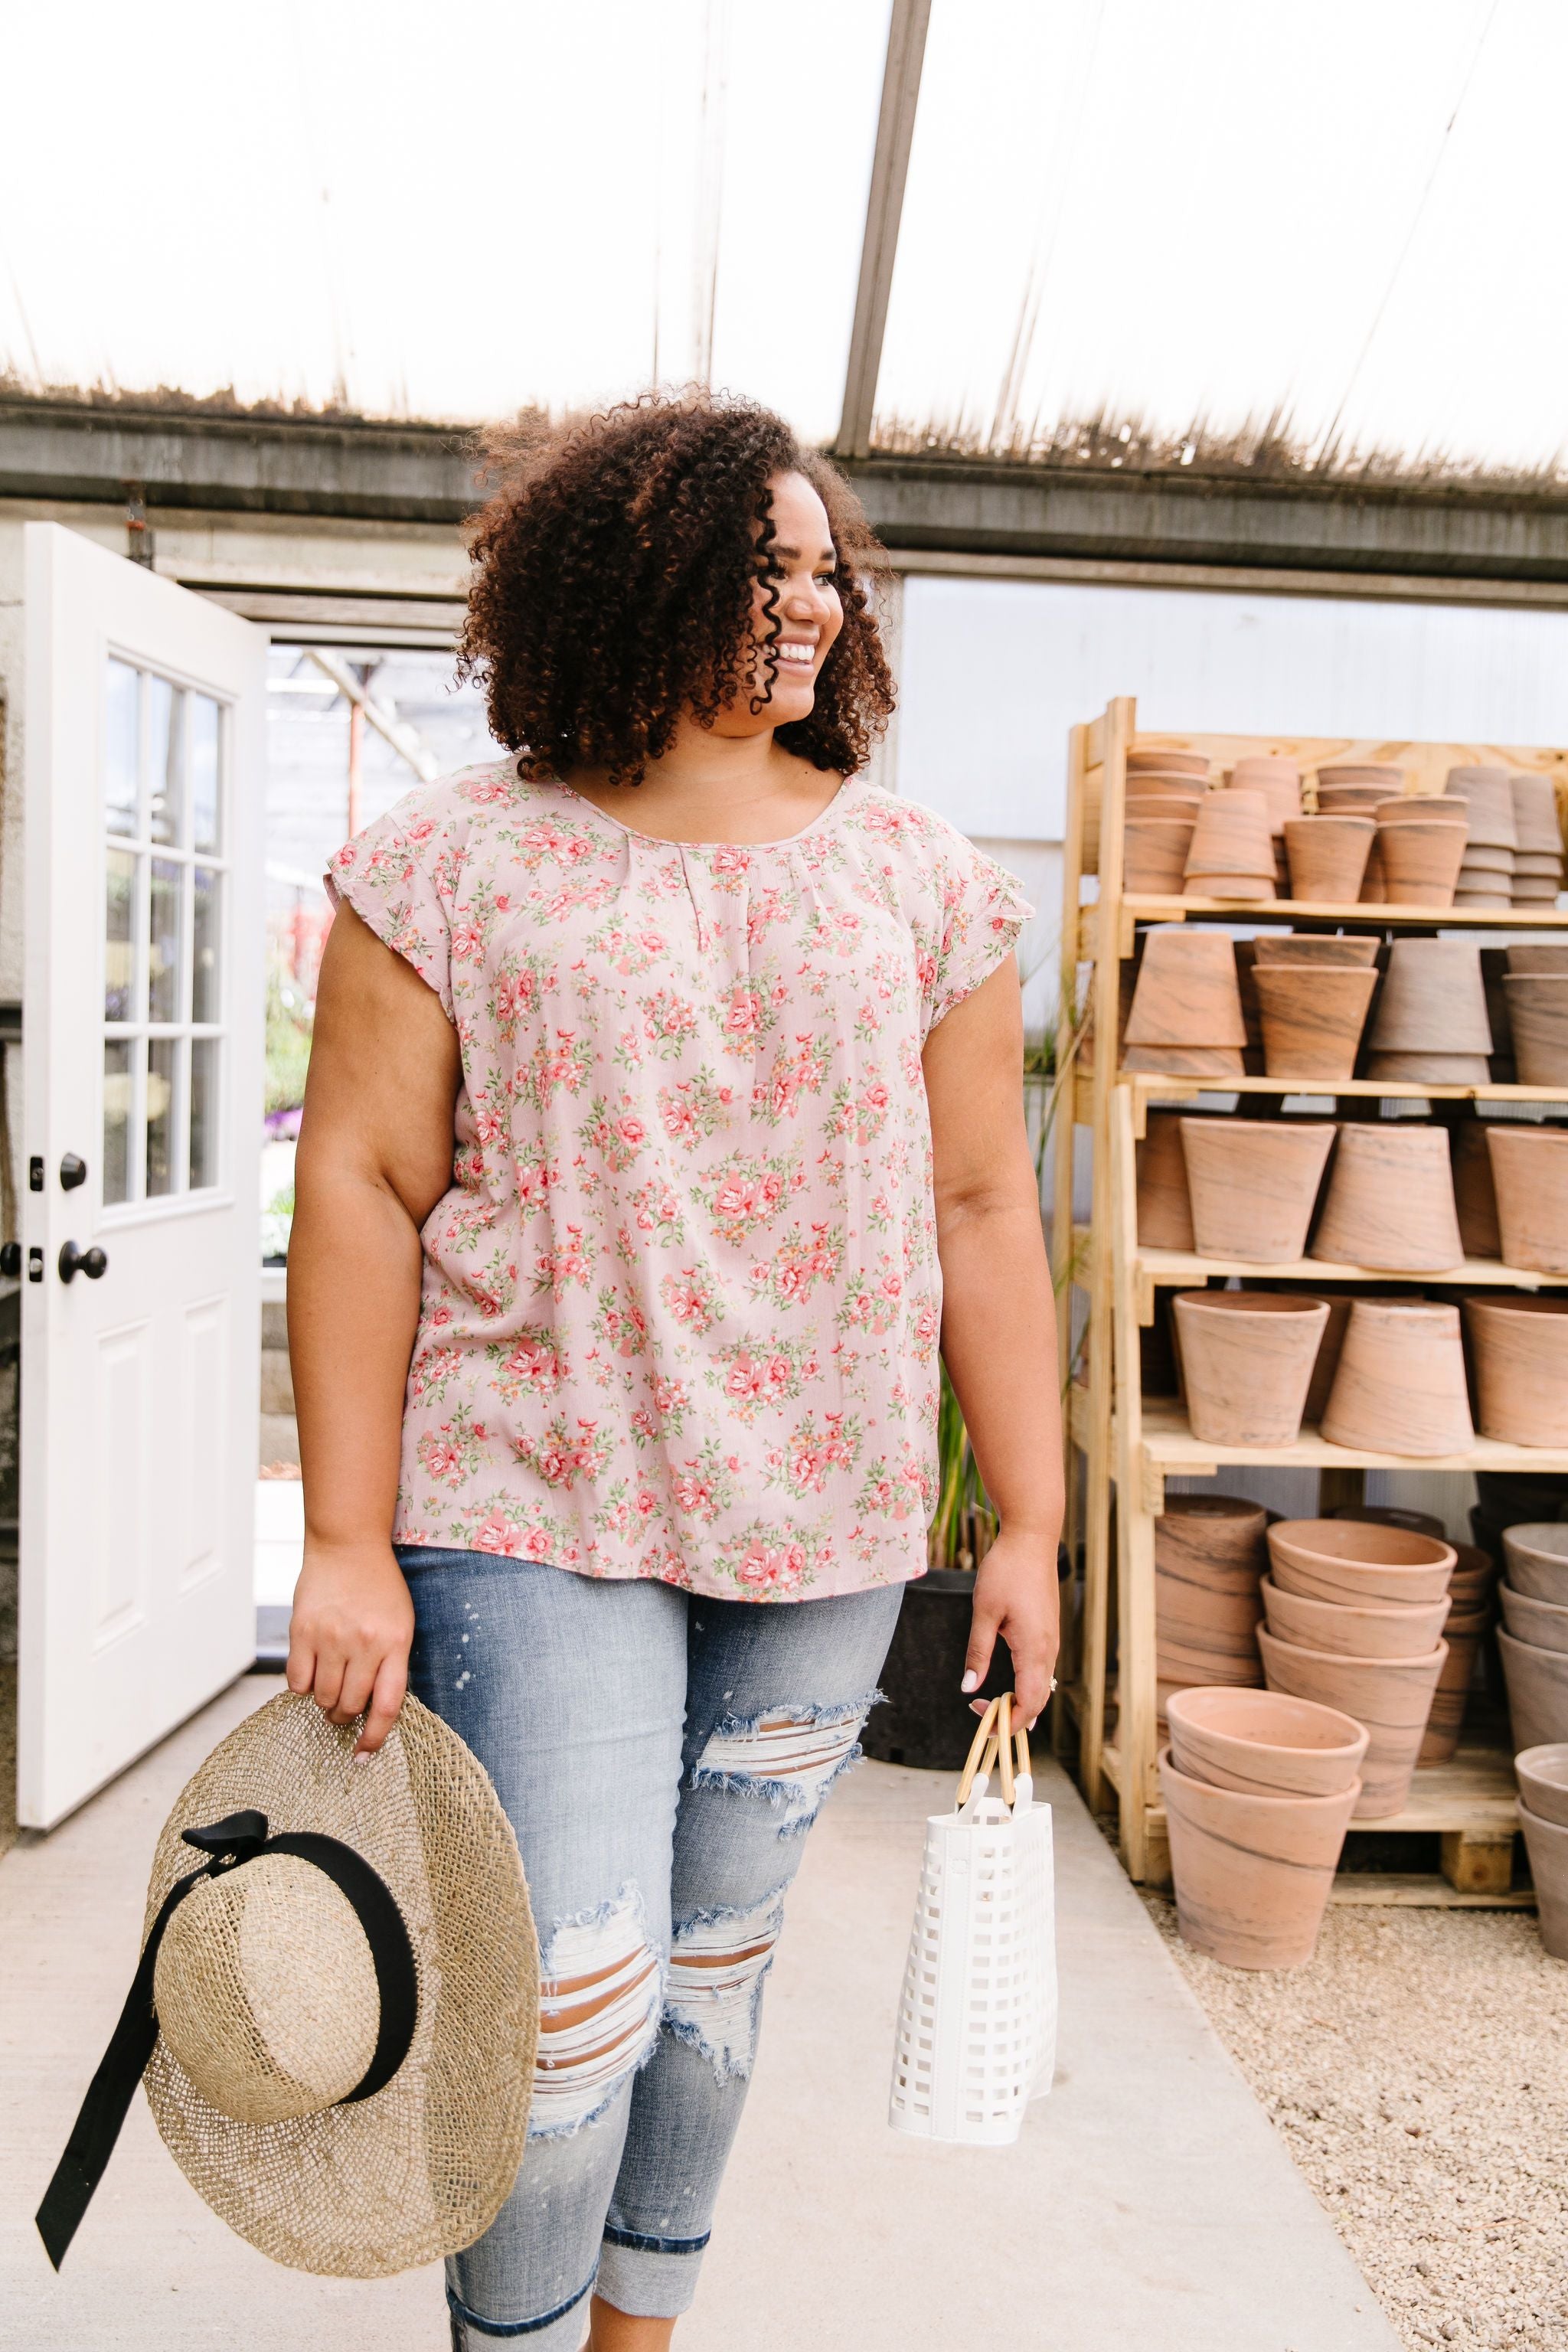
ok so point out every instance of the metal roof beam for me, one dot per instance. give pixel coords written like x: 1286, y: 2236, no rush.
x: 907, y: 30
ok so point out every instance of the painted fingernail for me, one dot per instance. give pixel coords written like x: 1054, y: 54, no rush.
x: 970, y: 1681
x: 363, y: 1756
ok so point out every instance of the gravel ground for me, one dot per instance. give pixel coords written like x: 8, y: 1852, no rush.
x: 1418, y: 2070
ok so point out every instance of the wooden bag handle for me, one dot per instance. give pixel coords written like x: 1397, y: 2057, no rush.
x: 995, y: 1741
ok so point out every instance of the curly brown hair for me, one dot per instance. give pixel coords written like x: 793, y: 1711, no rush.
x: 613, y: 590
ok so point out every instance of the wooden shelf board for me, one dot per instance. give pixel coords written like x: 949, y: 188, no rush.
x: 1172, y: 1267
x: 1290, y: 911
x: 1475, y: 1793
x: 1155, y: 1085
x: 1170, y: 1447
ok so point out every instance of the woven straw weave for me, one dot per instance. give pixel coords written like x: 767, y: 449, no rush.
x: 422, y: 2167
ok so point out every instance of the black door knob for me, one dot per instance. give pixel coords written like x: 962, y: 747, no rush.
x: 73, y: 1171
x: 90, y: 1262
x: 10, y: 1260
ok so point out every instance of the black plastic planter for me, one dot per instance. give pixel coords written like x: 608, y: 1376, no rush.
x: 926, y: 1721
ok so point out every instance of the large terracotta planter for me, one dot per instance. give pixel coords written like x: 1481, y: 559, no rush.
x: 1232, y: 836
x: 1433, y: 1000
x: 1464, y: 1636
x: 1521, y: 1349
x: 1327, y: 857
x: 1279, y: 781
x: 1537, y: 1684
x: 1530, y: 1176
x: 1429, y: 1069
x: 1537, y: 1555
x: 1246, y: 1362
x: 1164, y: 1216
x: 1348, y: 1630
x: 1543, y: 1624
x: 1312, y: 1019
x: 1154, y: 857
x: 1400, y: 1387
x: 1253, y: 1183
x: 1207, y: 1566
x: 1186, y: 1005
x: 1526, y: 956
x: 1475, y: 1192
x: 1542, y: 1781
x: 1491, y: 798
x: 1421, y: 863
x: 1546, y: 1843
x: 1538, y: 1018
x: 1262, y: 1744
x: 1391, y: 1697
x: 1362, y: 1562
x: 1389, y: 1200
x: 1314, y: 947
x: 1252, y: 1874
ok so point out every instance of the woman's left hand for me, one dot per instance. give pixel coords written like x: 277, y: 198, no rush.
x: 1016, y: 1595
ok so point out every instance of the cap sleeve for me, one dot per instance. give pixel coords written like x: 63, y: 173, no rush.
x: 398, y: 876
x: 982, y: 913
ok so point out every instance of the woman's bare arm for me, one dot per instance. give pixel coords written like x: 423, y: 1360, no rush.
x: 375, y: 1156
x: 998, y: 1323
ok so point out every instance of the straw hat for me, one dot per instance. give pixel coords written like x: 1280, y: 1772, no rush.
x: 337, y: 2008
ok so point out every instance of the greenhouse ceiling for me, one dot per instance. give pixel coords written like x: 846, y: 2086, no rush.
x: 1310, y: 239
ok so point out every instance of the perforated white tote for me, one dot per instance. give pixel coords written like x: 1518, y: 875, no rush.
x: 977, y: 2019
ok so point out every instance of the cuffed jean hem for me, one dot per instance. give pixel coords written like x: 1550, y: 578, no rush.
x: 560, y: 2330
x: 649, y: 2278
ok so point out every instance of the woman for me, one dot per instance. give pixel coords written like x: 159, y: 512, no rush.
x: 665, y: 1107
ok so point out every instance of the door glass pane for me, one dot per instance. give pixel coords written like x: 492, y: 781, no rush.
x: 203, y: 1111
x: 120, y: 937
x: 121, y: 733
x: 117, y: 1120
x: 162, y: 1053
x: 164, y: 730
x: 164, y: 972
x: 206, y: 946
x: 201, y: 737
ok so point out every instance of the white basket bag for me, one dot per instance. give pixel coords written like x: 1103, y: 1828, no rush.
x: 977, y: 2018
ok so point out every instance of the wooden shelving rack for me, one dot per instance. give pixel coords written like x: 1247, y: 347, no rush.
x: 1130, y: 1445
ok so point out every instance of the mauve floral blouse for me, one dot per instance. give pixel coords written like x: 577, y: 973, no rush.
x: 680, y: 1306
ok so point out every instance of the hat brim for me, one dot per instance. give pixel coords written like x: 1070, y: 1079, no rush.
x: 421, y: 2168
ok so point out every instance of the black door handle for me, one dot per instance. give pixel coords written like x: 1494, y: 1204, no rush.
x: 90, y: 1262
x: 73, y: 1171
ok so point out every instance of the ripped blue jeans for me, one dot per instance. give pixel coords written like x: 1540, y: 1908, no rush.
x: 660, y: 1757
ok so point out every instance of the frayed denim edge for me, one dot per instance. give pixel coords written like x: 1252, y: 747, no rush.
x: 784, y: 1794
x: 719, y: 1916
x: 595, y: 1915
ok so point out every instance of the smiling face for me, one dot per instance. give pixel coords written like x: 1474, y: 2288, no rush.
x: 795, y: 612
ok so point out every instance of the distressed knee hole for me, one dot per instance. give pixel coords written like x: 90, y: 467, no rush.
x: 790, y: 1757
x: 599, y: 2000
x: 717, y: 1965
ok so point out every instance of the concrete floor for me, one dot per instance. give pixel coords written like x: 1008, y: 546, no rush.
x: 1149, y: 2202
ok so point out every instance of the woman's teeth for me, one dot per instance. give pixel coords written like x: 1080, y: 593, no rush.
x: 801, y: 656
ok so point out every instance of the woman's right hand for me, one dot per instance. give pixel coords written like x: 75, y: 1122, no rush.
x: 350, y: 1636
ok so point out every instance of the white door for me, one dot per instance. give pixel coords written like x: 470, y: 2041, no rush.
x: 142, y: 1044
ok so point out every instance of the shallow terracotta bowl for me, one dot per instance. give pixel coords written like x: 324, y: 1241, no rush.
x: 1542, y: 1781
x: 1349, y: 1630
x: 1262, y: 1743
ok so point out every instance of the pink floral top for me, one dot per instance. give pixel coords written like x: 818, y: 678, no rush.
x: 681, y: 1303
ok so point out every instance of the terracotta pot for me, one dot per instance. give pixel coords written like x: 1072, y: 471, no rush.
x: 1430, y: 1069
x: 1363, y: 1563
x: 1521, y: 1349
x: 1312, y: 1019
x: 1252, y: 1874
x: 1328, y: 857
x: 1537, y: 1684
x: 1537, y: 1556
x: 1278, y: 781
x: 1433, y: 1000
x: 1253, y: 1183
x: 1528, y: 892
x: 1174, y: 803
x: 1421, y: 864
x: 1475, y: 1195
x: 1525, y: 956
x: 1154, y: 857
x: 1390, y: 1200
x: 1207, y: 1568
x: 1390, y: 1697
x: 1186, y: 992
x: 1464, y: 1636
x: 1213, y: 1534
x: 1543, y: 1774
x: 1388, y: 779
x: 1164, y: 1218
x: 1262, y: 1744
x: 1529, y: 1165
x: 1373, y: 892
x: 1346, y: 1631
x: 1485, y: 859
x: 1186, y: 1061
x: 1546, y: 1843
x: 1400, y: 1387
x: 1536, y: 822
x: 1181, y: 1669
x: 1541, y: 1623
x: 1232, y: 836
x: 1157, y: 758
x: 1475, y: 899
x: 1425, y: 808
x: 1394, y: 1515
x: 1538, y: 1017
x: 1246, y: 889
x: 1327, y: 1360
x: 1490, y: 797
x: 1246, y: 1362
x: 1314, y: 947
x: 1351, y: 800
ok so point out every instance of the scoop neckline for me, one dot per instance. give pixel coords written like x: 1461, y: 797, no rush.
x: 788, y: 841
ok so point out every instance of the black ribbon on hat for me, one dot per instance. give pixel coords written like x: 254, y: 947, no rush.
x: 231, y: 1843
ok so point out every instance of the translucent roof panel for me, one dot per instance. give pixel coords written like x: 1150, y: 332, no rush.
x: 1226, y: 214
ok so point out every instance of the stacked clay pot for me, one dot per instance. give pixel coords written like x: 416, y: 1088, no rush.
x: 1390, y: 1200
x: 1279, y: 781
x: 1520, y: 1348
x: 1475, y: 1189
x: 1536, y: 988
x: 1312, y: 1009
x: 1354, y: 1614
x: 1160, y: 811
x: 1246, y: 1359
x: 1538, y: 841
x: 1534, y: 1597
x: 1431, y: 1025
x: 1327, y: 856
x: 1209, y: 1560
x: 1471, y: 1592
x: 1486, y: 876
x: 1252, y: 1184
x: 1357, y: 788
x: 1529, y: 1171
x: 1164, y: 1211
x: 1185, y: 1017
x: 1231, y: 854
x: 1542, y: 1775
x: 1258, y: 1792
x: 1399, y: 1386
x: 1421, y: 840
